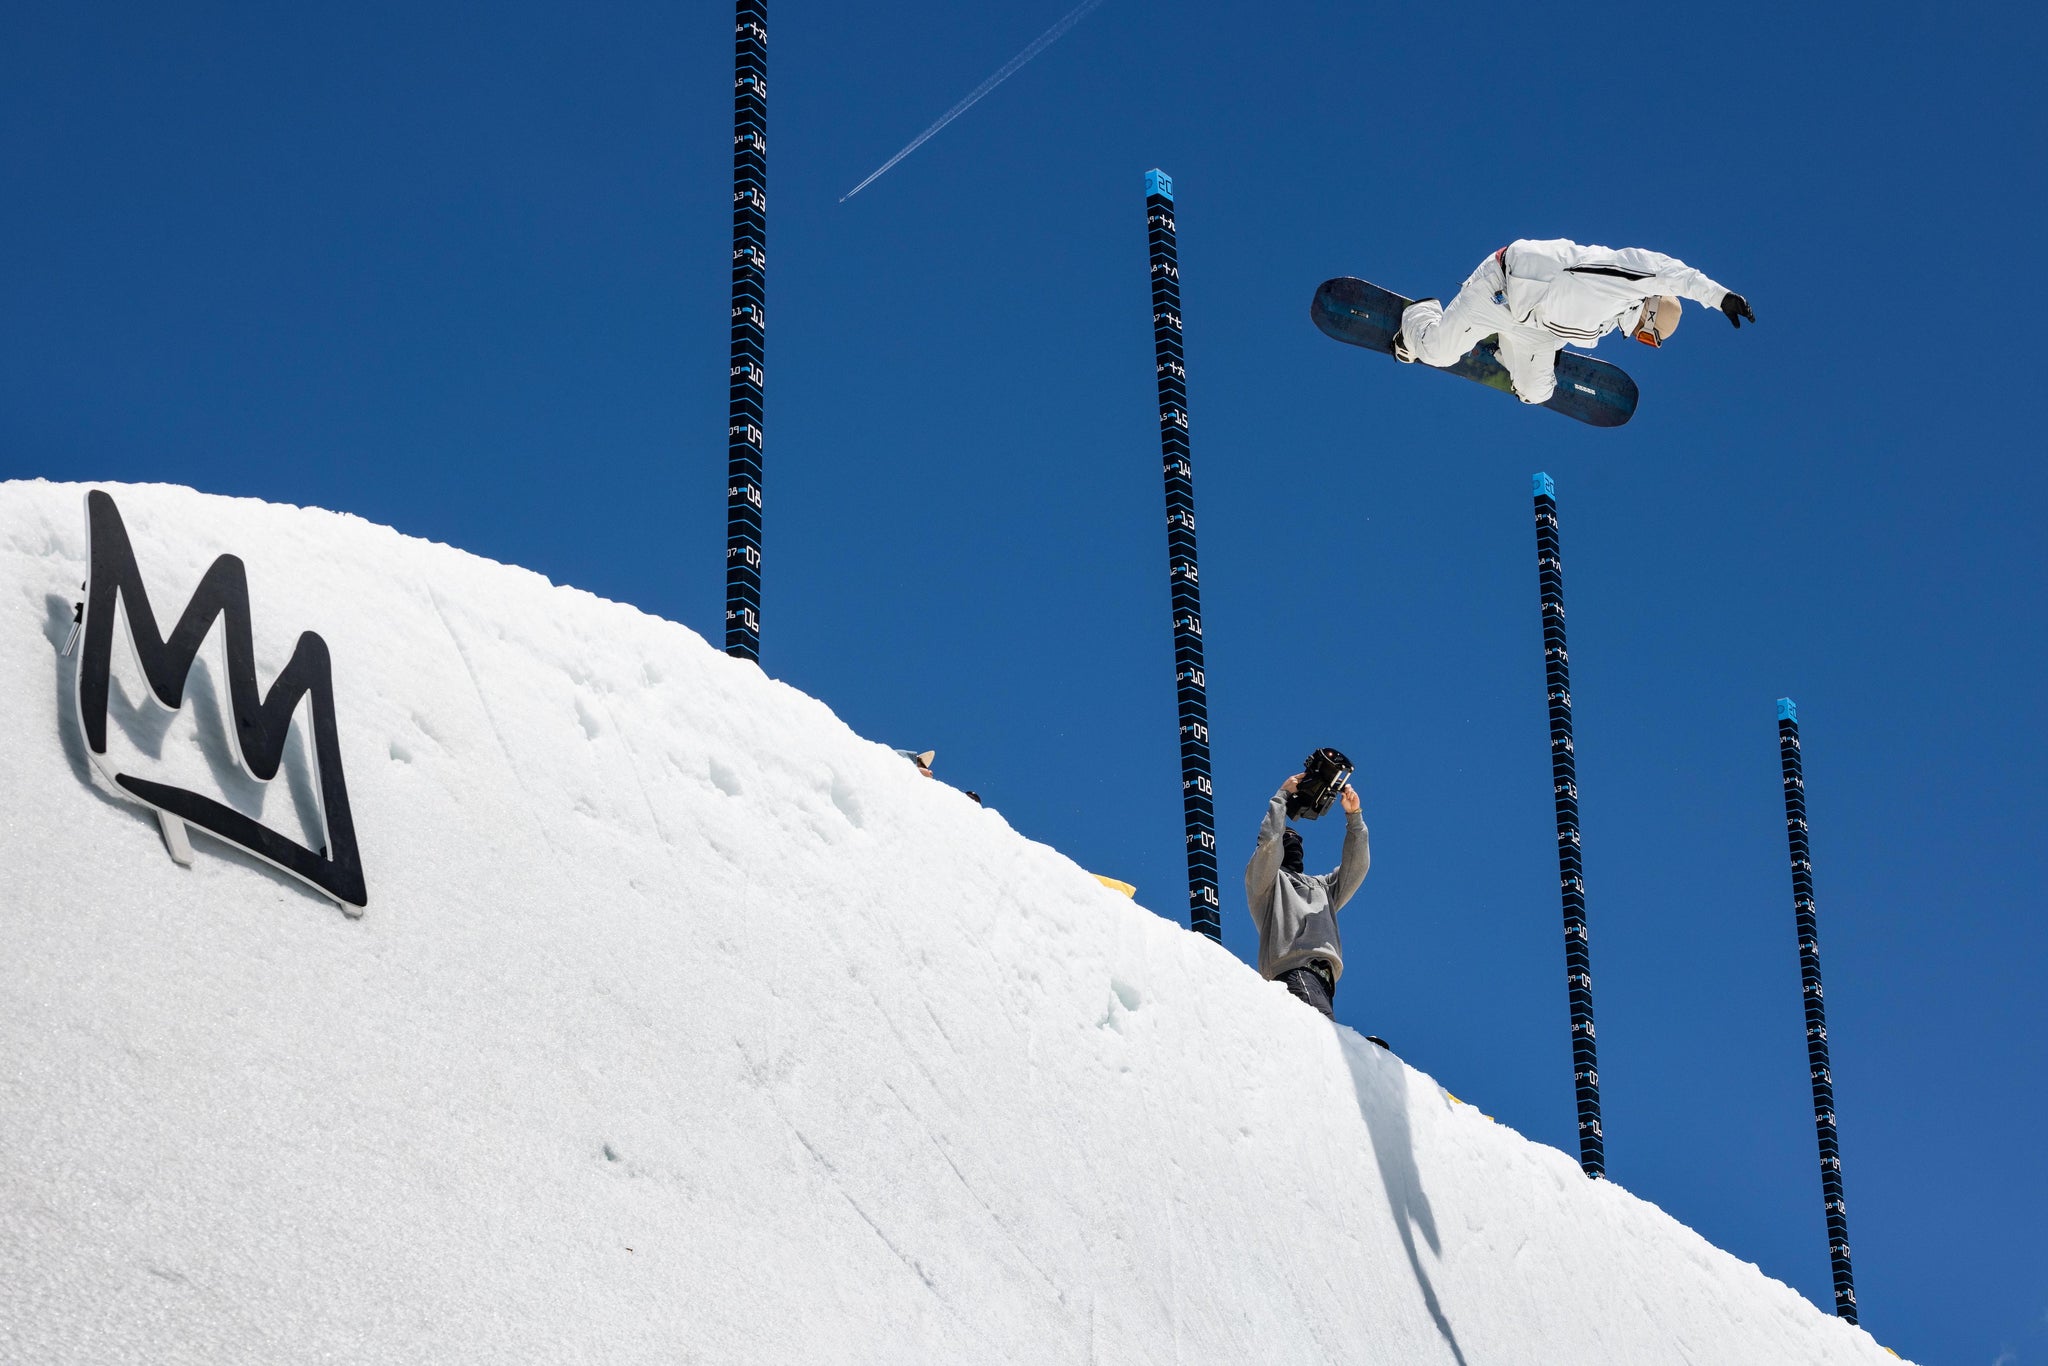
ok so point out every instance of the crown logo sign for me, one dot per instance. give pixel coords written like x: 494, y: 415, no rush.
x: 259, y: 722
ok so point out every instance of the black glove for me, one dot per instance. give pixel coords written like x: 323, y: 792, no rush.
x: 1737, y: 308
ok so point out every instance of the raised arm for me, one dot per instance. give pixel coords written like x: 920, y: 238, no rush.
x: 1265, y: 861
x: 1656, y: 273
x: 1357, y: 859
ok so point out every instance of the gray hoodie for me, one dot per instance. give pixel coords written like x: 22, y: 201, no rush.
x: 1295, y: 912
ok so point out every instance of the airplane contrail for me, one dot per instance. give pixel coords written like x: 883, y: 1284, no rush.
x: 1044, y: 41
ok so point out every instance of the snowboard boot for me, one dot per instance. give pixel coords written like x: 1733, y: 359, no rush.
x: 1401, y: 351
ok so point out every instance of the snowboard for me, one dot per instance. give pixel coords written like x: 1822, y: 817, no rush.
x: 1363, y: 314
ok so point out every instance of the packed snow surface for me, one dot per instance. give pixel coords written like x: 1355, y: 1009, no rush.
x: 685, y: 1025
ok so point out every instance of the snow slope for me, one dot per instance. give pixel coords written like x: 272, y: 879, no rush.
x: 685, y: 1025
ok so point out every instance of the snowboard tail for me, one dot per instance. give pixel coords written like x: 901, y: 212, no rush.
x: 1362, y: 314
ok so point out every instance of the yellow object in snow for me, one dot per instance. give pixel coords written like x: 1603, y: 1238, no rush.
x: 1455, y: 1101
x: 1126, y: 888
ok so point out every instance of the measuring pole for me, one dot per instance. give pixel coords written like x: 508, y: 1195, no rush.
x: 1808, y: 921
x: 1197, y: 795
x: 1578, y: 961
x: 749, y: 325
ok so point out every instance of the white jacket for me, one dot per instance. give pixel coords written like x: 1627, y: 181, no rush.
x: 1580, y: 294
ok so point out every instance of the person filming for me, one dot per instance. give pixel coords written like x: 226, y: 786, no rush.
x: 1296, y: 912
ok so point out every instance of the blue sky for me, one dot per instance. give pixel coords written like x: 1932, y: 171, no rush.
x: 462, y: 269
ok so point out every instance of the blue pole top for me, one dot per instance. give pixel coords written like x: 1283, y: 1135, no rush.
x: 1788, y: 710
x: 1544, y: 487
x: 1158, y: 182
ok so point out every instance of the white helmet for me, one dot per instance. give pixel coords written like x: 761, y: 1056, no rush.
x: 1657, y: 320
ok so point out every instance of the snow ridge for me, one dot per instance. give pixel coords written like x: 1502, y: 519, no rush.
x: 687, y: 1025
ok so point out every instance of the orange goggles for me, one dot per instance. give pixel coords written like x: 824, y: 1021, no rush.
x: 1644, y: 326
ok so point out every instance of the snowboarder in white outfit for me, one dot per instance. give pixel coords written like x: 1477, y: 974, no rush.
x: 1539, y: 296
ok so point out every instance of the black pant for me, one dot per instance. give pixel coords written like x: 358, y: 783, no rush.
x: 1316, y: 988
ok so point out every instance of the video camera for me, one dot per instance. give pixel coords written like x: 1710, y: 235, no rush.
x: 1323, y: 775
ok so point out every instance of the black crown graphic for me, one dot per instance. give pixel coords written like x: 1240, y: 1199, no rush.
x: 260, y: 725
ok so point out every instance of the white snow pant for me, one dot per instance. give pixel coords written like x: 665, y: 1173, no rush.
x: 1440, y: 336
